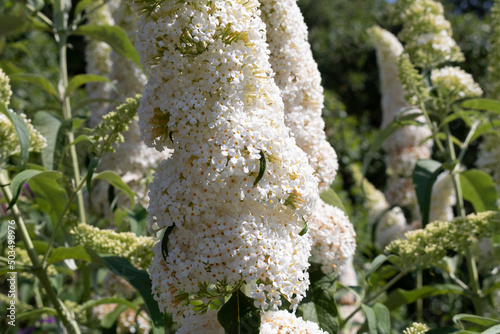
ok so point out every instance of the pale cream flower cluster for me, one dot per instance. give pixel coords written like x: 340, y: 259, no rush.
x: 129, y: 320
x: 416, y: 328
x: 454, y: 83
x: 235, y: 193
x: 9, y: 140
x: 426, y: 33
x: 299, y: 80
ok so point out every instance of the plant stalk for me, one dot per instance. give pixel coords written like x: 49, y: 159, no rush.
x: 40, y: 273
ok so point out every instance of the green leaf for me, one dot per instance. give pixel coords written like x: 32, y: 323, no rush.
x: 116, y: 181
x: 48, y: 126
x: 11, y: 23
x: 424, y: 175
x: 164, y: 242
x: 382, y: 136
x: 370, y: 319
x: 140, y: 280
x: 82, y: 79
x: 239, y: 315
x: 90, y: 172
x: 448, y: 330
x: 475, y: 319
x: 36, y: 313
x: 37, y: 80
x: 305, y: 228
x: 86, y: 102
x: 50, y: 195
x: 482, y: 104
x: 401, y: 297
x: 23, y: 134
x: 81, y: 5
x: 79, y: 139
x: 330, y: 197
x: 64, y: 253
x: 376, y: 263
x: 492, y: 330
x: 383, y: 318
x: 115, y: 36
x: 18, y: 182
x: 319, y: 305
x: 262, y: 168
x: 479, y: 189
x: 485, y: 128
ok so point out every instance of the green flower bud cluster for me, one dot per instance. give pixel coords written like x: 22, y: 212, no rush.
x: 426, y: 33
x: 108, y: 132
x: 416, y: 328
x: 138, y: 250
x: 428, y: 246
x: 412, y: 81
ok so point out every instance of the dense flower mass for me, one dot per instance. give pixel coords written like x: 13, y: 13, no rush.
x: 9, y: 140
x: 126, y: 244
x: 416, y: 328
x: 282, y: 322
x: 333, y: 236
x: 426, y: 33
x: 234, y: 196
x: 454, y: 83
x: 429, y: 245
x: 299, y: 81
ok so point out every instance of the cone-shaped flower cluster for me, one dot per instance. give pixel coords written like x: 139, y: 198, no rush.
x: 299, y: 81
x: 234, y: 195
x: 426, y: 33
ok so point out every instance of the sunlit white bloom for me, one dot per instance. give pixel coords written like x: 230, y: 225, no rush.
x: 400, y: 191
x: 455, y: 83
x: 236, y: 188
x: 392, y: 225
x: 333, y: 236
x: 283, y: 322
x: 205, y: 323
x: 443, y: 198
x: 128, y: 321
x: 299, y: 81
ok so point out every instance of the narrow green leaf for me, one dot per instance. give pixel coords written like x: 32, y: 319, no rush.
x: 304, y: 229
x: 36, y: 313
x: 50, y: 194
x: 448, y: 330
x: 330, y: 197
x: 18, y: 182
x: 262, y: 168
x: 37, y: 80
x: 424, y: 175
x: 82, y: 79
x: 64, y: 253
x: 401, y: 297
x: 48, y: 126
x: 479, y: 189
x: 485, y: 128
x: 492, y: 330
x: 475, y: 319
x: 10, y: 24
x: 23, y: 134
x: 82, y: 5
x: 90, y: 172
x: 482, y: 104
x: 140, y: 280
x: 79, y: 139
x: 85, y: 102
x: 370, y: 319
x: 383, y: 317
x: 164, y: 242
x: 115, y: 36
x: 376, y: 263
x: 116, y: 181
x: 239, y: 315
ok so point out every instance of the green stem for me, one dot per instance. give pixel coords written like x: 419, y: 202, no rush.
x: 420, y: 301
x: 62, y: 38
x: 39, y: 272
x: 370, y: 299
x: 471, y: 262
x: 431, y: 127
x: 60, y: 221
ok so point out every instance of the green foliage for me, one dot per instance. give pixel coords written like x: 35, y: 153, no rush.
x: 239, y: 315
x: 425, y: 174
x: 479, y: 189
